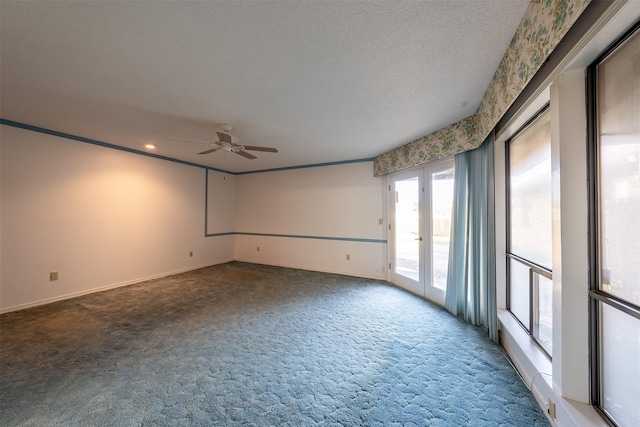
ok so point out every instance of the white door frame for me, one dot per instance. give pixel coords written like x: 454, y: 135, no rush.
x: 415, y: 286
x: 424, y: 286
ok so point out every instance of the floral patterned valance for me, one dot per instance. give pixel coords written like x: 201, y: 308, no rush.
x: 457, y: 138
x: 543, y: 25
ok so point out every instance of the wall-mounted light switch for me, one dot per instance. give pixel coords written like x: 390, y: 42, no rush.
x: 53, y: 276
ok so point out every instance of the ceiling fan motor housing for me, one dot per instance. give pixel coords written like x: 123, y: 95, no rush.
x: 231, y: 148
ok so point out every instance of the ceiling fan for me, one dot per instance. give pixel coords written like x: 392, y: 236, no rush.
x: 225, y: 143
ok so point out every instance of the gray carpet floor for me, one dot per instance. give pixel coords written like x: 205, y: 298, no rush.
x: 244, y: 344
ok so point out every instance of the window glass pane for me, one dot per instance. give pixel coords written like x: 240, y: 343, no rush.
x: 407, y: 226
x: 620, y: 364
x: 545, y: 301
x: 441, y: 202
x: 619, y: 128
x: 530, y: 192
x: 519, y: 291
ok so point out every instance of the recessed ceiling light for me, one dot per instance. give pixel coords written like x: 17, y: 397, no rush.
x: 149, y: 146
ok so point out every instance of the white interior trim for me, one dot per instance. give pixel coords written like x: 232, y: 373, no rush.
x: 534, y: 367
x: 104, y: 288
x: 569, y: 369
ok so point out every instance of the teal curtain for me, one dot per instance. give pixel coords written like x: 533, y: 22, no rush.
x: 471, y: 278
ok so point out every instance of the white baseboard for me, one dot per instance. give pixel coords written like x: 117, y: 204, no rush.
x: 104, y: 288
x: 156, y: 276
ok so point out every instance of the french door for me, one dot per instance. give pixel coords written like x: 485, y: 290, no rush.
x: 420, y: 222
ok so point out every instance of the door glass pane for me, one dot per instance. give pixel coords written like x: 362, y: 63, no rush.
x: 530, y: 192
x: 620, y: 364
x: 519, y: 291
x: 619, y: 128
x: 545, y: 324
x: 407, y: 226
x: 441, y: 202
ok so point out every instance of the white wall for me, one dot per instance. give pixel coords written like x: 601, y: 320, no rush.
x: 100, y: 217
x: 221, y: 202
x: 342, y: 201
x: 104, y: 218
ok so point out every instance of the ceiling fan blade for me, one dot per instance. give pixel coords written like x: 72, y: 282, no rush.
x: 254, y: 148
x: 210, y: 151
x: 224, y: 137
x: 186, y: 140
x: 245, y: 154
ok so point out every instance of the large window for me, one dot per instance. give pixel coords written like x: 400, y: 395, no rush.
x: 614, y: 88
x: 529, y: 286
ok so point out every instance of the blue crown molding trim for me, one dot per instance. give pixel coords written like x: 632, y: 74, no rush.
x: 103, y: 144
x: 314, y: 165
x: 296, y: 236
x: 160, y: 157
x: 209, y: 168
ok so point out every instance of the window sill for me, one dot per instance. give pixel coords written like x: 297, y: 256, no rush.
x: 532, y: 362
x: 535, y: 367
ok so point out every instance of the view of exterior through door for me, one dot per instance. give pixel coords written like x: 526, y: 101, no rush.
x: 441, y: 203
x: 407, y: 227
x: 420, y: 207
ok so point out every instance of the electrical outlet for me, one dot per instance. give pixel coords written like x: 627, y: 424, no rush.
x: 190, y: 253
x: 53, y: 276
x: 380, y: 221
x: 348, y: 257
x: 551, y: 409
x: 257, y: 248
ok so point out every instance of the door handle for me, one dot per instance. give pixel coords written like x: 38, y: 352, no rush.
x: 418, y: 238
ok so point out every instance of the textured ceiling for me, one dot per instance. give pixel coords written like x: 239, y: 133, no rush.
x: 321, y: 81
